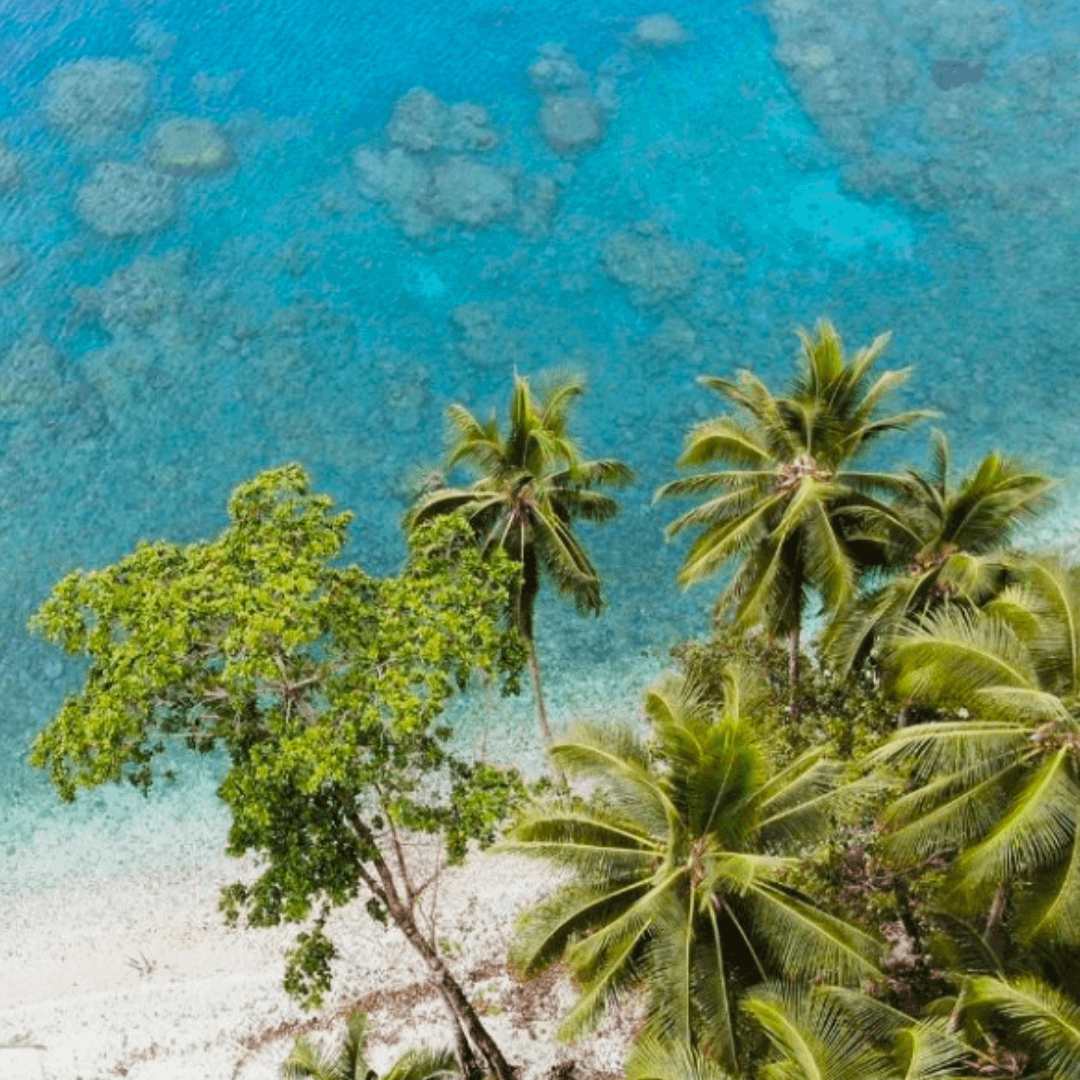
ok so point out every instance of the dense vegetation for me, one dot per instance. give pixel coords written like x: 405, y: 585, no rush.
x: 860, y: 865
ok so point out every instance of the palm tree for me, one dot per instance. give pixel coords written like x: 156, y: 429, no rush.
x: 534, y: 484
x: 1000, y: 788
x: 306, y: 1061
x: 681, y: 853
x: 953, y: 541
x: 828, y: 1033
x: 789, y: 509
x: 1044, y: 1021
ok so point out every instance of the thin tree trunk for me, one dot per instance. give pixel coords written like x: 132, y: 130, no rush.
x: 466, y: 1059
x: 793, y: 657
x: 541, y: 711
x: 995, y: 931
x: 463, y: 1014
x: 538, y: 694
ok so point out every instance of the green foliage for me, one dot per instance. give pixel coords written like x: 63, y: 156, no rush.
x: 306, y: 1061
x: 850, y: 715
x: 1035, y: 1016
x: 850, y: 877
x: 323, y: 685
x: 679, y: 857
x: 827, y: 1033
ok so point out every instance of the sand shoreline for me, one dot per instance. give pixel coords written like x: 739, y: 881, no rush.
x: 139, y: 977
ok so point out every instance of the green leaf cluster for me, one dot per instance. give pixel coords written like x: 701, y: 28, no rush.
x: 321, y: 684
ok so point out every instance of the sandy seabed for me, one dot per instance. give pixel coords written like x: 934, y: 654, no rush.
x: 139, y: 977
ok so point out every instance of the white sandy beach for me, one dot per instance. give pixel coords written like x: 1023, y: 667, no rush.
x: 208, y: 1003
x: 116, y: 969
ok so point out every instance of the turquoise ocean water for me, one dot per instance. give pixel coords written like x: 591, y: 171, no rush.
x: 908, y: 166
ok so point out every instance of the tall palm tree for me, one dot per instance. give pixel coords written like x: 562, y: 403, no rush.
x: 306, y: 1061
x: 827, y: 1033
x: 533, y: 485
x: 788, y: 507
x: 681, y: 853
x: 952, y: 540
x: 1001, y: 788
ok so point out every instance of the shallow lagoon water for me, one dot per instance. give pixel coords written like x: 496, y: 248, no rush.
x: 745, y: 184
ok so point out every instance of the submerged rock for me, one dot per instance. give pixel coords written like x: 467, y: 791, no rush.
x: 423, y: 122
x: 31, y: 375
x: 12, y: 263
x: 470, y: 193
x: 555, y: 70
x: 538, y: 207
x: 483, y: 339
x: 139, y: 294
x: 95, y: 98
x: 458, y: 190
x: 662, y: 31
x: 10, y: 169
x: 570, y: 123
x: 951, y: 73
x: 190, y: 146
x: 649, y: 263
x: 127, y: 200
x: 391, y: 175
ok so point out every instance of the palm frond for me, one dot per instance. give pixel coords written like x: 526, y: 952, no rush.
x: 653, y: 1059
x: 807, y: 942
x: 424, y: 1064
x: 615, y: 756
x: 811, y: 1036
x: 1053, y: 915
x: 950, y: 656
x: 1038, y: 828
x: 723, y: 439
x: 543, y: 933
x: 1045, y: 1021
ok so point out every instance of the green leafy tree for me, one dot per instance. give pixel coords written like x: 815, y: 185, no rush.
x: 306, y: 1061
x: 827, y: 1033
x: 786, y: 504
x: 1000, y: 785
x: 533, y: 485
x: 953, y: 541
x: 681, y: 854
x: 324, y: 687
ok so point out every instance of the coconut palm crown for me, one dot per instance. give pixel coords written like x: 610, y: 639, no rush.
x: 953, y: 540
x: 533, y: 484
x: 786, y: 505
x: 680, y: 854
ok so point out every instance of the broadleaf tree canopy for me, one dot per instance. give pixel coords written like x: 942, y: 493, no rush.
x: 324, y: 686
